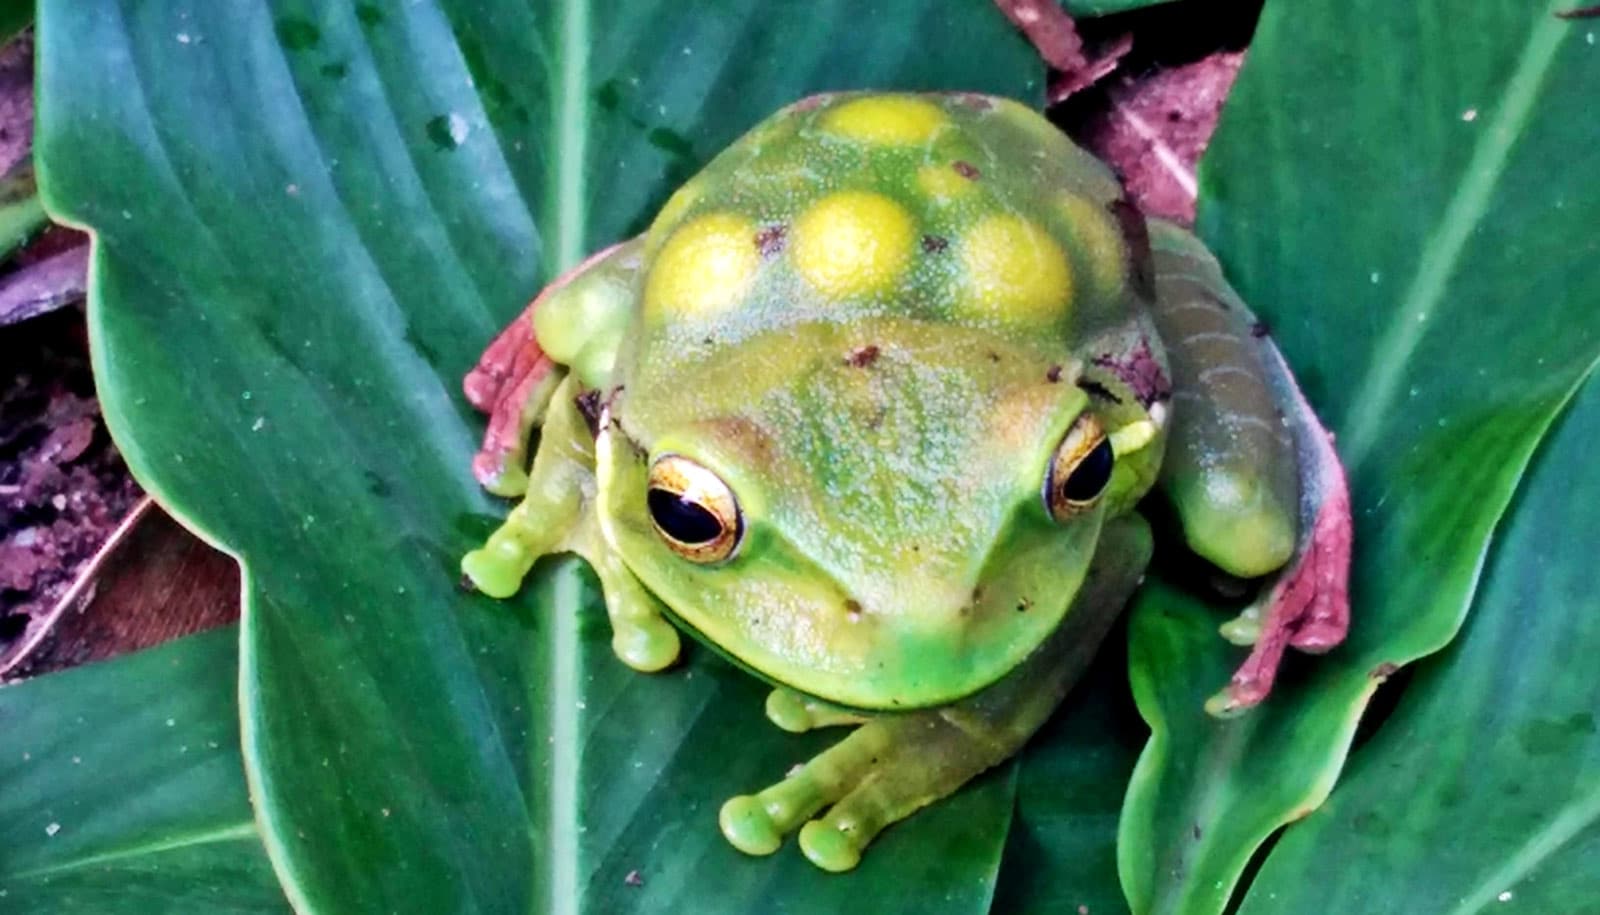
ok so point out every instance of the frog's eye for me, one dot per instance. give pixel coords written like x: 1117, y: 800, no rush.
x: 693, y: 510
x: 1080, y: 469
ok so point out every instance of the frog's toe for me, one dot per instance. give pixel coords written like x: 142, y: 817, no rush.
x: 1243, y: 630
x: 787, y: 709
x: 501, y: 474
x: 797, y: 713
x: 748, y: 826
x: 640, y: 636
x: 646, y: 645
x: 497, y: 568
x: 830, y: 846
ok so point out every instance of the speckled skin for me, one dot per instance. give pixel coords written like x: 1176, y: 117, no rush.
x: 873, y: 320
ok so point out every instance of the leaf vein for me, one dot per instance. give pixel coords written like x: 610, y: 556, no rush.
x: 1453, y: 230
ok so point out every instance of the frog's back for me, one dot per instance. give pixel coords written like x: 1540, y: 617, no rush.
x: 957, y: 208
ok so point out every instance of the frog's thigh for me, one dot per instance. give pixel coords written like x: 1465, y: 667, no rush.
x: 894, y: 765
x: 581, y: 321
x: 1230, y: 464
x: 640, y: 635
x: 550, y: 508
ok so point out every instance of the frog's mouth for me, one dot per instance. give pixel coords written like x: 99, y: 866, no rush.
x: 925, y: 688
x: 852, y: 654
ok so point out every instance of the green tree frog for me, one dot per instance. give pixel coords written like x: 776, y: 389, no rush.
x: 869, y: 408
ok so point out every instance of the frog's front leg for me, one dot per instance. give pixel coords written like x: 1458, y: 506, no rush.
x: 551, y: 361
x: 895, y: 764
x: 548, y: 517
x: 557, y: 514
x: 1249, y: 468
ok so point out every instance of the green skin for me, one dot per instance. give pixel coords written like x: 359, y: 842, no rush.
x: 898, y: 567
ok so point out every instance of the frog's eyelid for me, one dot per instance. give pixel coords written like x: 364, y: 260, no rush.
x: 1127, y: 439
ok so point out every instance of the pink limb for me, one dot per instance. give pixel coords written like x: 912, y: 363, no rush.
x: 1308, y: 607
x: 512, y: 383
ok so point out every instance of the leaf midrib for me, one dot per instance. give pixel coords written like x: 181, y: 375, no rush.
x: 571, y: 136
x: 569, y: 104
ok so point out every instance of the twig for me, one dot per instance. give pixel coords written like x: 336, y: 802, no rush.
x: 1055, y: 35
x: 52, y: 283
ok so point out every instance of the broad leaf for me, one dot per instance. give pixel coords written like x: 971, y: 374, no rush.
x: 1487, y: 778
x: 1089, y: 8
x: 1061, y: 855
x: 1410, y: 203
x: 309, y: 217
x: 122, y: 789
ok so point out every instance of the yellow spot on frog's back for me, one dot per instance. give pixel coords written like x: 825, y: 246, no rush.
x: 886, y: 120
x: 672, y: 213
x: 1014, y: 269
x: 1098, y: 241
x: 853, y: 243
x: 942, y: 182
x: 705, y: 266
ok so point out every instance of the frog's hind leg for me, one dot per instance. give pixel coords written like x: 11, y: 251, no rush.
x: 583, y: 312
x: 513, y: 383
x: 1249, y: 468
x: 897, y: 763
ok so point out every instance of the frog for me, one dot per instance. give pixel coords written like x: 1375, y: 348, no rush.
x: 871, y: 409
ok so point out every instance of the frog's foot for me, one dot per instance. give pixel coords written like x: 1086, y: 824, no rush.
x: 512, y: 382
x: 533, y: 529
x: 1308, y: 606
x: 886, y: 770
x: 798, y: 713
x: 641, y: 637
x: 547, y: 518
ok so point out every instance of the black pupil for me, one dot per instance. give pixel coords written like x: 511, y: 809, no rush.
x: 685, y: 522
x: 1091, y: 475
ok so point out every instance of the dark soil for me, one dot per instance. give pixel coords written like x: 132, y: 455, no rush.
x: 63, y: 487
x: 1153, y: 118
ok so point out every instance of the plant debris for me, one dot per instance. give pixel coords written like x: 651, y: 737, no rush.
x: 63, y: 487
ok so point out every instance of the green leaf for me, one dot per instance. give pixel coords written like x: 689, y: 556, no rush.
x: 1091, y: 8
x: 657, y: 765
x: 309, y: 217
x: 121, y: 789
x: 1062, y: 850
x: 1413, y: 214
x: 1487, y: 778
